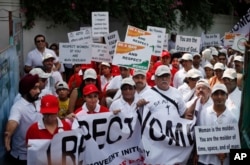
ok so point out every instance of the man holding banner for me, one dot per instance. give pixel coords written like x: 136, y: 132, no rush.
x: 167, y: 137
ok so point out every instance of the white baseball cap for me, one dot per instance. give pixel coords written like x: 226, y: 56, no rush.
x: 239, y: 58
x: 196, y: 54
x: 48, y: 56
x: 218, y: 87
x: 62, y: 85
x: 162, y: 69
x: 187, y: 56
x: 128, y: 80
x: 219, y: 65
x: 230, y: 73
x: 203, y: 82
x: 89, y: 73
x: 209, y: 65
x: 194, y: 73
x: 105, y: 64
x: 139, y: 72
x: 39, y: 72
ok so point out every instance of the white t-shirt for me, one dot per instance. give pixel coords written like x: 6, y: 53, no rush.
x: 179, y: 77
x: 187, y: 93
x: 25, y: 114
x: 234, y: 102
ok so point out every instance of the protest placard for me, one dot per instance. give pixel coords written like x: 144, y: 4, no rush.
x: 229, y: 39
x: 160, y: 32
x: 99, y: 53
x: 70, y: 53
x: 238, y: 43
x: 216, y: 139
x: 141, y: 37
x: 132, y: 56
x: 210, y: 40
x: 100, y: 24
x: 80, y: 37
x: 189, y: 44
x: 110, y: 40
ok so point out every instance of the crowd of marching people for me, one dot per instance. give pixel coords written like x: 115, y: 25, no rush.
x: 204, y: 86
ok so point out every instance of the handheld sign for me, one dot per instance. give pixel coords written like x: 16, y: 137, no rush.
x: 100, y: 53
x: 217, y: 139
x: 160, y: 32
x: 210, y: 40
x: 189, y: 44
x: 71, y: 53
x: 141, y: 37
x: 100, y: 24
x: 110, y: 40
x: 132, y: 56
x: 81, y: 37
x: 238, y: 43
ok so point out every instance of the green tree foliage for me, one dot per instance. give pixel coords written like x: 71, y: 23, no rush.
x: 139, y: 13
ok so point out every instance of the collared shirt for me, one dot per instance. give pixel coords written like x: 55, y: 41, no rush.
x: 179, y: 77
x: 187, y: 93
x: 210, y: 119
x: 84, y: 110
x: 39, y: 131
x: 35, y: 57
x: 123, y: 105
x: 25, y: 114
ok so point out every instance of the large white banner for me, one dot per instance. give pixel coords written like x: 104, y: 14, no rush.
x: 122, y: 139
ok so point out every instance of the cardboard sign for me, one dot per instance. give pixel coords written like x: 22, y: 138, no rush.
x: 70, y: 53
x: 110, y: 40
x: 132, y: 56
x: 100, y: 24
x: 160, y: 32
x: 141, y: 37
x: 216, y: 139
x: 210, y: 39
x: 100, y: 53
x: 189, y: 44
x: 81, y: 37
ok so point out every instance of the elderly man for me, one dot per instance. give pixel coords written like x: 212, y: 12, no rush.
x: 23, y: 113
x: 162, y: 122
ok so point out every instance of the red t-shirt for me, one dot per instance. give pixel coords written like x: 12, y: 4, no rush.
x: 35, y: 133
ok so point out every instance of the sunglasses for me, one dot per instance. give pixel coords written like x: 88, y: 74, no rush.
x: 38, y: 41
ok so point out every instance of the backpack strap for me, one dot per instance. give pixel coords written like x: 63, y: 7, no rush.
x: 167, y: 98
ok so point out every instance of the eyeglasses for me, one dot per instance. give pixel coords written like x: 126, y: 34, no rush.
x: 38, y: 41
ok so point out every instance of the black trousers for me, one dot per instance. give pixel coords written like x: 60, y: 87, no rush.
x: 10, y: 160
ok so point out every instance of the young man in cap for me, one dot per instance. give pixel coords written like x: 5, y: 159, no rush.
x: 62, y: 90
x: 180, y: 75
x: 23, y: 113
x: 234, y: 94
x: 127, y: 101
x: 217, y: 114
x: 218, y: 72
x: 106, y: 75
x: 35, y: 57
x: 50, y: 124
x: 140, y: 80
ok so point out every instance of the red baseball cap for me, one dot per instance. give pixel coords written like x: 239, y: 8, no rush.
x: 165, y: 54
x: 90, y: 88
x: 49, y: 104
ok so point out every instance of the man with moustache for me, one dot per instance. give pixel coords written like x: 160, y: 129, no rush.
x: 23, y: 113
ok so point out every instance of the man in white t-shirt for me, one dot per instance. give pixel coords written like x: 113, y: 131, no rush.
x: 234, y: 94
x: 23, y: 113
x: 163, y: 123
x: 180, y: 75
x: 35, y: 56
